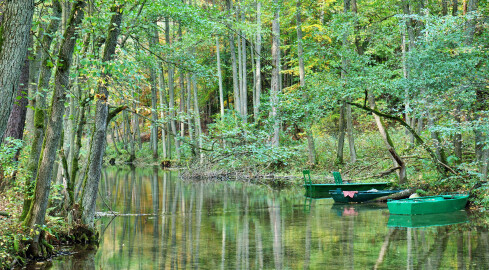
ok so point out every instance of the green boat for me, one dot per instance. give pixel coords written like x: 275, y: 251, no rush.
x: 341, y: 196
x: 419, y: 221
x: 428, y: 205
x: 323, y: 190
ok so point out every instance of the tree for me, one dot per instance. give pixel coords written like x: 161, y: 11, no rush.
x: 37, y: 211
x: 300, y: 51
x: 40, y: 103
x: 14, y: 39
x: 275, y: 84
x: 97, y: 149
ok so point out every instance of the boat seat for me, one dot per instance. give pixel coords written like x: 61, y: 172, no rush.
x: 307, y: 177
x: 337, y: 178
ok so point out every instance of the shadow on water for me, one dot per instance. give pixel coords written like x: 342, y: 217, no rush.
x: 167, y: 223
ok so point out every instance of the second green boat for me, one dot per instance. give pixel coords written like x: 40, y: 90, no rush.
x: 428, y: 205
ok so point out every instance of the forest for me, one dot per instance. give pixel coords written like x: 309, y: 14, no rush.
x: 243, y: 89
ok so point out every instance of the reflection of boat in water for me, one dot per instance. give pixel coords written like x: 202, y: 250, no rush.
x: 342, y: 209
x: 416, y: 221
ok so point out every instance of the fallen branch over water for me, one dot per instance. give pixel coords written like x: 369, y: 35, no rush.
x: 396, y: 196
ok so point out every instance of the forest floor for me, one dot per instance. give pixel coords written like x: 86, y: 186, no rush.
x: 11, y: 232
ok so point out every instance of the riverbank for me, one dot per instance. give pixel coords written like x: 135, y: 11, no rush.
x: 11, y: 249
x: 15, y: 239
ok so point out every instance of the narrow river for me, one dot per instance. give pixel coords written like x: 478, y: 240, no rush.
x: 170, y: 223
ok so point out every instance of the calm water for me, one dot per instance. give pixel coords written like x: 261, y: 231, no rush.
x: 230, y: 225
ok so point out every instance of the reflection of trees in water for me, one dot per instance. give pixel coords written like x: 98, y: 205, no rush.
x: 428, y: 248
x: 480, y: 252
x: 237, y: 226
x: 276, y: 226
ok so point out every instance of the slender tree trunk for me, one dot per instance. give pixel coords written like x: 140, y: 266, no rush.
x: 76, y: 151
x: 482, y: 96
x: 244, y: 91
x: 219, y: 76
x: 275, y: 84
x: 39, y: 111
x: 198, y: 125
x: 256, y: 102
x: 341, y: 135
x: 154, y: 102
x: 239, y: 102
x: 181, y: 107
x: 163, y: 104
x: 172, y: 95
x: 344, y: 69
x: 233, y: 62
x: 189, y: 106
x: 349, y: 131
x: 396, y: 158
x: 182, y: 91
x: 14, y: 40
x: 89, y: 194
x: 34, y: 68
x: 302, y: 77
x: 37, y: 212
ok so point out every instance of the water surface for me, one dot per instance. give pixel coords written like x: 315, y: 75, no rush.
x: 170, y: 223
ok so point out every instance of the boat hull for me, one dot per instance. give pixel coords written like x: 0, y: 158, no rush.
x: 361, y: 196
x: 428, y: 205
x: 323, y: 190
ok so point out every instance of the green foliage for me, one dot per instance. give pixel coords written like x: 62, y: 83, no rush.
x: 236, y: 144
x: 8, y: 151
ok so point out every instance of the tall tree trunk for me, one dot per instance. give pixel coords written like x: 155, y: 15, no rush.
x: 154, y: 102
x: 349, y: 131
x: 198, y: 125
x: 256, y: 102
x: 81, y: 121
x: 163, y: 104
x: 172, y: 95
x: 302, y: 78
x: 239, y: 103
x: 34, y: 68
x: 396, y: 158
x: 341, y: 135
x: 182, y: 90
x: 407, y: 46
x: 37, y: 212
x: 219, y: 77
x: 275, y: 84
x: 244, y: 91
x: 97, y: 149
x: 16, y: 121
x: 481, y: 100
x: 14, y: 39
x: 344, y: 70
x: 229, y: 4
x: 189, y: 106
x: 348, y: 115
